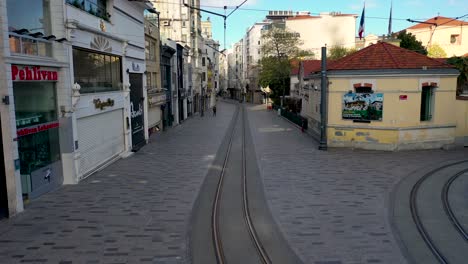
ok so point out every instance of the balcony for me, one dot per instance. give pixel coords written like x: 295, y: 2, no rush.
x: 156, y: 96
x: 27, y: 45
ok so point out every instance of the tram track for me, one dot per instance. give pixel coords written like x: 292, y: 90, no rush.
x: 447, y: 207
x: 437, y: 248
x: 231, y: 221
x: 217, y: 236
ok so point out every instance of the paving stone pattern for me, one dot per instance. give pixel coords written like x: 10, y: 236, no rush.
x: 134, y: 211
x: 333, y: 206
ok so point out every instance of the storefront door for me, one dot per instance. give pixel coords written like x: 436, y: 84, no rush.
x: 136, y: 107
x: 3, y: 189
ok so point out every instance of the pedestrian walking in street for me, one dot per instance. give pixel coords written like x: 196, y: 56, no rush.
x: 214, y: 110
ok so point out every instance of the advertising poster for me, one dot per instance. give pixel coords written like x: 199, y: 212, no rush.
x: 363, y: 106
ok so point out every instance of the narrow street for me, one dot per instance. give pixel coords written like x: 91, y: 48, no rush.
x: 329, y: 207
x: 134, y: 211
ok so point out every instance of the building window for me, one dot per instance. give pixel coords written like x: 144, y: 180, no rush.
x: 96, y: 72
x: 38, y: 14
x: 33, y: 16
x: 203, y: 76
x: 148, y: 80
x: 203, y: 61
x: 94, y: 7
x: 455, y: 39
x: 363, y: 89
x: 427, y: 103
x: 150, y: 49
x: 147, y: 49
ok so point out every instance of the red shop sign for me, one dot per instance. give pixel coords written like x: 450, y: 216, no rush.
x: 33, y: 73
x: 37, y: 128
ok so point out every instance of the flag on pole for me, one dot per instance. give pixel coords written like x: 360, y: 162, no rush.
x: 361, y: 24
x: 390, y: 20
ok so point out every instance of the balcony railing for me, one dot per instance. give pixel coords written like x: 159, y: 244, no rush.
x: 23, y: 44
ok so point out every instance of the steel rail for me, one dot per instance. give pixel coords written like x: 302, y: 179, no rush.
x: 417, y: 219
x: 247, y: 217
x: 448, y: 209
x: 218, y: 245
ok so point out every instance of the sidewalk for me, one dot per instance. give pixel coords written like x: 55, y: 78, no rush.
x: 134, y: 211
x: 332, y: 206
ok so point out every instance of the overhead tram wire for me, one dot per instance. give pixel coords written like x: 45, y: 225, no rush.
x: 217, y: 14
x: 435, y: 24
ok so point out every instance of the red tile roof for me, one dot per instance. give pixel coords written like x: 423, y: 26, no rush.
x: 385, y: 56
x: 310, y: 66
x: 440, y: 21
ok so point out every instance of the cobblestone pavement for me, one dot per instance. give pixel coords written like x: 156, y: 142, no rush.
x: 134, y: 211
x: 333, y: 206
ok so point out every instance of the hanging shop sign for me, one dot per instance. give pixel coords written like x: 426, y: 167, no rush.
x: 34, y: 73
x: 36, y: 129
x: 98, y: 104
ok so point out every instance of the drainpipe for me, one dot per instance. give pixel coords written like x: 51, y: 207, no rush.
x: 323, y: 102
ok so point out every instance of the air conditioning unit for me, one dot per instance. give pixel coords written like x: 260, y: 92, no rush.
x: 166, y: 23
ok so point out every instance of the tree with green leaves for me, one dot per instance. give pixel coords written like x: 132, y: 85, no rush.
x: 279, y: 47
x: 436, y: 51
x: 409, y: 41
x: 461, y: 63
x: 338, y: 52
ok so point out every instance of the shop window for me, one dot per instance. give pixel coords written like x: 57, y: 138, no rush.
x: 427, y: 103
x: 455, y: 39
x: 96, y: 72
x: 36, y: 117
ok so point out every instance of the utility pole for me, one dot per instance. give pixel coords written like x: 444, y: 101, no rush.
x: 323, y: 102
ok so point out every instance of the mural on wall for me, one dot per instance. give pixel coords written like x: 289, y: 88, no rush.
x: 363, y: 106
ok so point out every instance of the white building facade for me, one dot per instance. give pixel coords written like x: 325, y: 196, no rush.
x: 35, y: 85
x: 328, y: 28
x: 182, y: 24
x: 108, y: 65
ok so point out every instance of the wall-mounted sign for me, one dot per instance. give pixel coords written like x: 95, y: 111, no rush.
x: 362, y: 106
x: 36, y: 129
x: 403, y: 97
x: 33, y: 73
x: 135, y: 67
x: 98, y: 104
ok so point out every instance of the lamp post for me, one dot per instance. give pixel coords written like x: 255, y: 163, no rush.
x: 323, y: 102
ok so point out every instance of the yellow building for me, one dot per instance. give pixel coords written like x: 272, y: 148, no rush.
x: 156, y: 94
x: 443, y: 31
x: 387, y: 98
